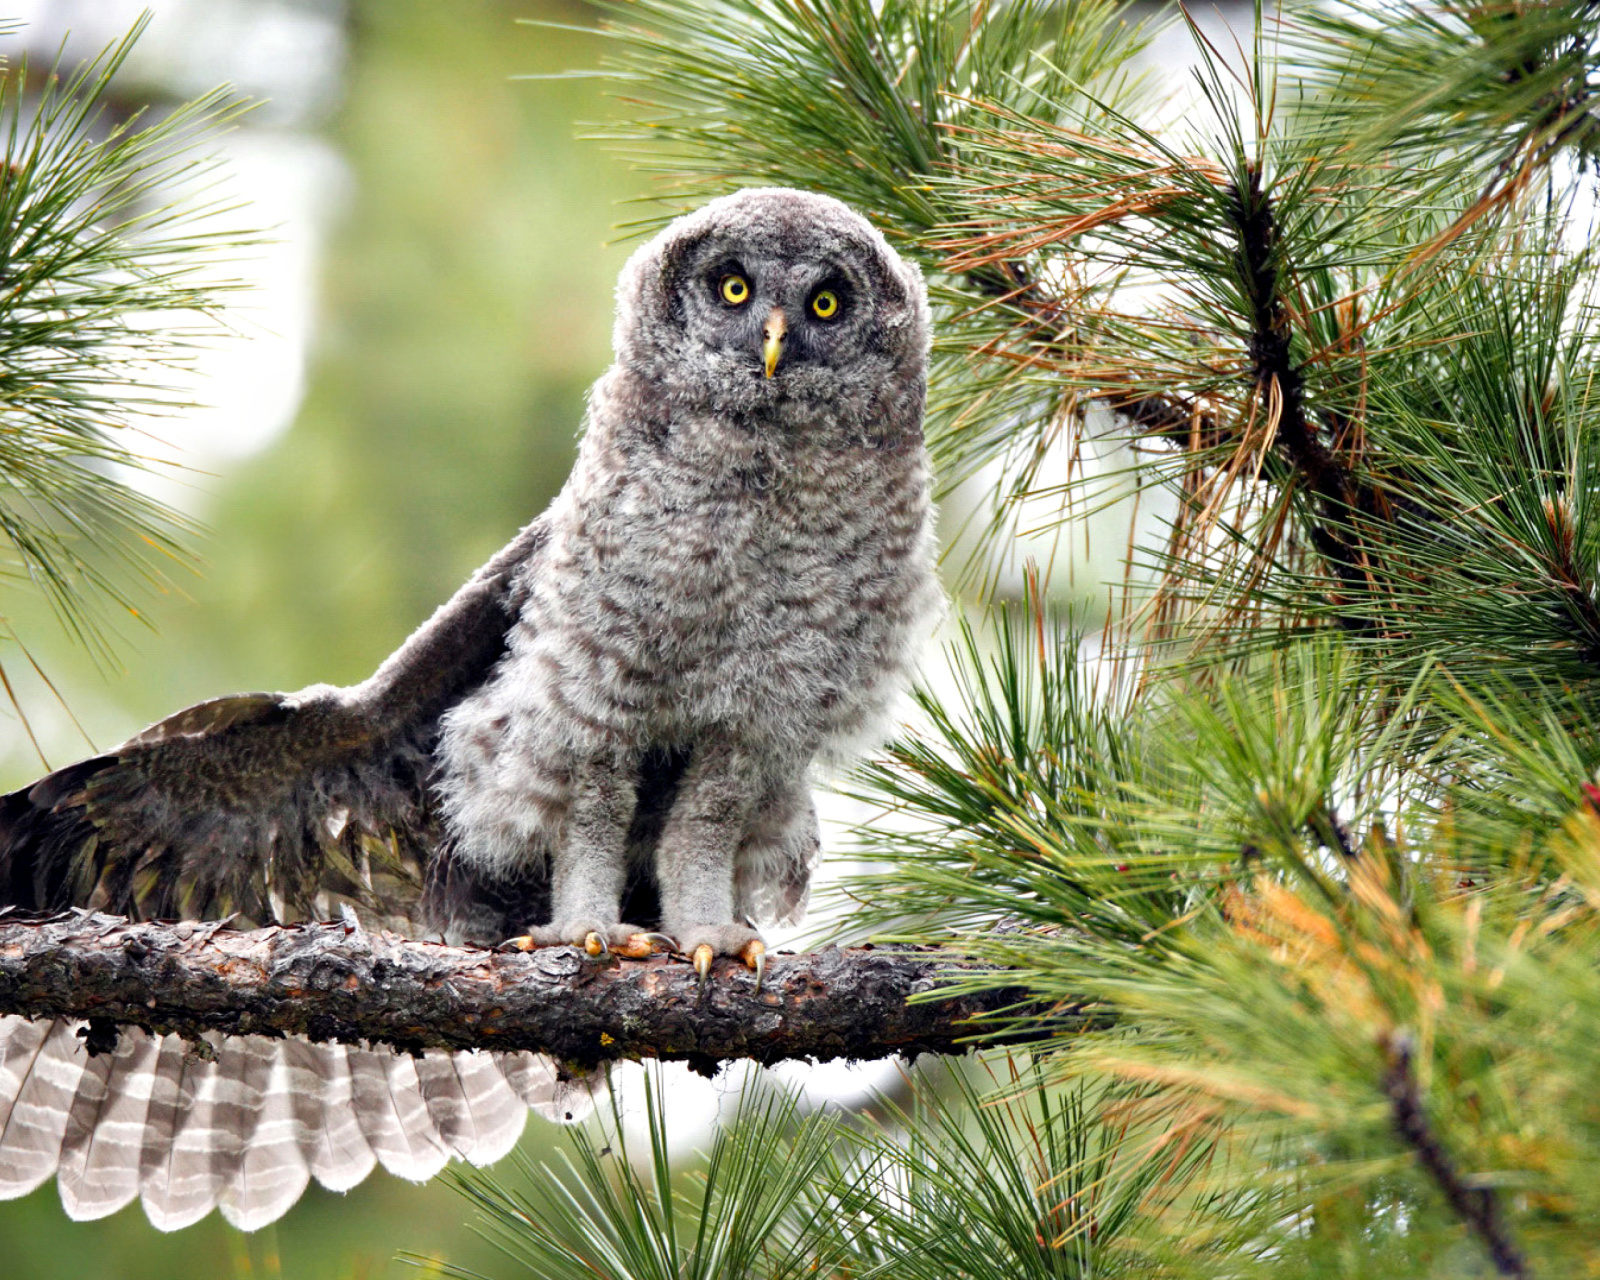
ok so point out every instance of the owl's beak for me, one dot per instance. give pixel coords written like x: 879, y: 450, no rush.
x: 772, y: 333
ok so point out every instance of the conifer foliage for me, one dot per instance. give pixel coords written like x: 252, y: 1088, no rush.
x: 1311, y: 814
x: 115, y: 243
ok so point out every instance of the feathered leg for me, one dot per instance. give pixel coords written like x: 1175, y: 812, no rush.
x: 695, y: 858
x: 589, y: 867
x: 772, y: 870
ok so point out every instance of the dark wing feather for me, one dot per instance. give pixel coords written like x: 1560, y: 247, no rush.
x: 276, y: 807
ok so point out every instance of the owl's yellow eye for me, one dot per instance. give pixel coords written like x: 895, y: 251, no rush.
x: 735, y: 290
x: 825, y: 305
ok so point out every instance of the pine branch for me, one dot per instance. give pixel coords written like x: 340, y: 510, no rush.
x: 1476, y: 1206
x: 1163, y: 416
x: 1337, y: 492
x: 338, y: 982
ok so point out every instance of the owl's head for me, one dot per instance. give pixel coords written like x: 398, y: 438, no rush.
x: 775, y: 302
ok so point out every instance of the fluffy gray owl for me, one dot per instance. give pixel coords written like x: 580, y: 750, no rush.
x: 607, y: 732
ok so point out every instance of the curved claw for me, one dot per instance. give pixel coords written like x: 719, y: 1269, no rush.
x: 640, y: 946
x: 522, y: 943
x: 703, y: 955
x: 755, y: 956
x: 595, y: 945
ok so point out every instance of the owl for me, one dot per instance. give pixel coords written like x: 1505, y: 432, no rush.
x: 607, y: 737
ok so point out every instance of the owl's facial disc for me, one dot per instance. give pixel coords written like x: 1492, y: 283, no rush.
x: 774, y: 307
x: 775, y: 319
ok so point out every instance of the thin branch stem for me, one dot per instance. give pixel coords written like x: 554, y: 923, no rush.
x: 1336, y: 491
x: 1478, y: 1207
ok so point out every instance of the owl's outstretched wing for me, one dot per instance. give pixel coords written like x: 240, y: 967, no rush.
x: 270, y: 808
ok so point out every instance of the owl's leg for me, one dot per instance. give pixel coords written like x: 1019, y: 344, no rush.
x: 695, y: 856
x: 772, y: 870
x: 588, y: 869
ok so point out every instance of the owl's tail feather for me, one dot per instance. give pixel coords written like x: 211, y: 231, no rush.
x: 245, y: 1127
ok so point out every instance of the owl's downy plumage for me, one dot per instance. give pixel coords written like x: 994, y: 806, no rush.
x: 610, y: 728
x: 729, y: 584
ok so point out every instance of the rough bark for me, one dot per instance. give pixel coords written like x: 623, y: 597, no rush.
x: 335, y: 982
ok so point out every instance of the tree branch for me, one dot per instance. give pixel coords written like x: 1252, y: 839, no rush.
x: 1476, y: 1206
x: 1337, y: 493
x: 339, y: 982
x: 1169, y: 417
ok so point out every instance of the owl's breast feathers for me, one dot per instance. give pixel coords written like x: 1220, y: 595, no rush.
x: 716, y: 575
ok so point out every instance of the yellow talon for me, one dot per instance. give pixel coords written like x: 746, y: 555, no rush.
x: 755, y: 956
x: 637, y: 947
x: 595, y: 945
x: 702, y: 961
x: 523, y: 943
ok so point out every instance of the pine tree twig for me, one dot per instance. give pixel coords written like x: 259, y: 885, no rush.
x: 332, y: 981
x: 1337, y: 493
x: 1476, y: 1206
x: 116, y: 251
x: 1567, y: 114
x: 1167, y: 417
x: 1342, y: 840
x: 1171, y: 419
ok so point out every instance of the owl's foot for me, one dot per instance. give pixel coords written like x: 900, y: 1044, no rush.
x: 625, y: 940
x: 704, y: 943
x: 639, y: 946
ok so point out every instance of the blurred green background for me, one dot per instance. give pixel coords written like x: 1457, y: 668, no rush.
x: 464, y: 306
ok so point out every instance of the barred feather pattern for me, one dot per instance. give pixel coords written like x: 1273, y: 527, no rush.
x: 244, y: 1123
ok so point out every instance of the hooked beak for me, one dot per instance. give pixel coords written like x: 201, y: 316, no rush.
x: 772, y: 334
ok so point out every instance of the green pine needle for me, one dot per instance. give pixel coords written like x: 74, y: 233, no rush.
x: 743, y: 1214
x: 110, y: 284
